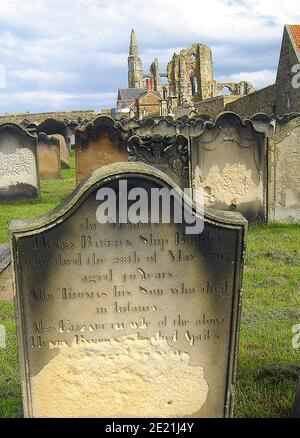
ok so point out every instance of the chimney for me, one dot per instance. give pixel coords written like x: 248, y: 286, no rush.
x: 149, y: 84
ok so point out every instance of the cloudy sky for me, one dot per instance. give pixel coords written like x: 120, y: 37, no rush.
x: 72, y: 54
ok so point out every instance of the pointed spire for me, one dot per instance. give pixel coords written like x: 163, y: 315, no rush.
x: 133, y: 49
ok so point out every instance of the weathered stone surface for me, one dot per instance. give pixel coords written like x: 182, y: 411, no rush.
x: 6, y: 286
x: 54, y: 126
x: 49, y: 157
x: 168, y: 153
x: 264, y: 124
x: 99, y: 143
x: 63, y: 150
x: 228, y: 163
x: 284, y: 175
x: 127, y: 320
x: 19, y: 179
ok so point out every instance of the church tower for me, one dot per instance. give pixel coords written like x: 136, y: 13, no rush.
x: 135, y: 69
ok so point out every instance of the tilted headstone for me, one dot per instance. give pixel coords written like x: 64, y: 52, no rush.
x: 168, y: 153
x: 127, y: 319
x: 284, y: 174
x: 6, y: 287
x: 63, y: 150
x: 19, y: 180
x: 228, y: 162
x: 98, y: 143
x: 49, y: 157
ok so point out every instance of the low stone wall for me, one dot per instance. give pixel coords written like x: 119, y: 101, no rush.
x: 260, y: 101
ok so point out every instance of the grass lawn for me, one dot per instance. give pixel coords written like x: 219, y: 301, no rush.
x: 268, y: 365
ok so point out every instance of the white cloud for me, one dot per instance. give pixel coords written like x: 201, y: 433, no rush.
x: 259, y: 79
x: 79, y: 47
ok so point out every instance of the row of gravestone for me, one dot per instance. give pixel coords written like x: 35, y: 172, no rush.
x: 235, y: 166
x: 189, y: 126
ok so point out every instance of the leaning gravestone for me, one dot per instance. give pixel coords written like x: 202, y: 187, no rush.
x: 284, y: 175
x: 228, y: 162
x: 19, y: 179
x: 127, y: 319
x: 98, y: 143
x: 64, y: 151
x: 49, y: 157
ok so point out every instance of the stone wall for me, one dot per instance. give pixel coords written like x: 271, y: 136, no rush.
x: 260, y: 101
x: 216, y: 105
x: 38, y: 118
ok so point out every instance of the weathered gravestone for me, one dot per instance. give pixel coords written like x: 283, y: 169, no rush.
x: 53, y: 126
x: 64, y: 151
x: 19, y: 179
x: 6, y: 287
x: 263, y: 123
x: 284, y: 174
x: 228, y: 162
x: 98, y: 143
x: 282, y: 120
x: 49, y: 157
x: 168, y: 153
x: 191, y: 128
x: 127, y: 320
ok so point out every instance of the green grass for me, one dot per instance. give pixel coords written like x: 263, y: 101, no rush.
x: 268, y: 365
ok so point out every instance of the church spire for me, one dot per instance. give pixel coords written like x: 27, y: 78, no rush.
x: 135, y: 68
x: 133, y: 49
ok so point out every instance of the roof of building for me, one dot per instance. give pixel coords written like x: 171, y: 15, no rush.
x: 295, y: 32
x: 127, y: 96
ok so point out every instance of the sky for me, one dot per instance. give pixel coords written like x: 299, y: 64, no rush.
x: 60, y: 55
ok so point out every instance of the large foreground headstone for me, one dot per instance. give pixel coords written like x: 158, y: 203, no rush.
x: 19, y: 179
x: 228, y: 162
x: 284, y: 174
x: 124, y: 319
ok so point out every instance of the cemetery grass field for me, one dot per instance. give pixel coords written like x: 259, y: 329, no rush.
x: 268, y: 365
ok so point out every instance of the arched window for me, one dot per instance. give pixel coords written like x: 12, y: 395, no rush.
x: 225, y: 91
x: 194, y: 84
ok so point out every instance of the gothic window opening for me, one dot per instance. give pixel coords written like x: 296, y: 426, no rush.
x: 194, y: 84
